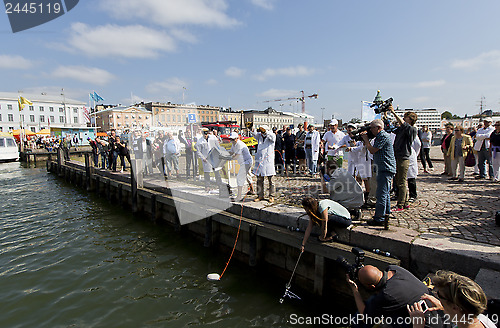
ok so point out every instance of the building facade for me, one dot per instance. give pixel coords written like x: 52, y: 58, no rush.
x: 269, y: 117
x: 123, y: 118
x: 55, y: 112
x: 229, y: 115
x: 429, y: 117
x: 176, y: 116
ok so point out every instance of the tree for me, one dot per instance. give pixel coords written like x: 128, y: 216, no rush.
x: 446, y: 116
x: 355, y: 120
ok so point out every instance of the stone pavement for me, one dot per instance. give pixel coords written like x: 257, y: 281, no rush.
x: 448, y: 208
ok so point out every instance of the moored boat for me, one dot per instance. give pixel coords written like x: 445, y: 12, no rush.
x: 9, y: 151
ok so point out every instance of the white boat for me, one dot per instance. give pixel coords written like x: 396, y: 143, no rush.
x: 9, y: 151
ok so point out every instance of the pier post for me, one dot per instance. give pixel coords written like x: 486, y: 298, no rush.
x: 208, y: 232
x: 252, y: 245
x: 88, y: 164
x: 59, y: 162
x: 319, y: 274
x: 133, y: 185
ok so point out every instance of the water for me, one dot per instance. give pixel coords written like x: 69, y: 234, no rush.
x: 69, y: 259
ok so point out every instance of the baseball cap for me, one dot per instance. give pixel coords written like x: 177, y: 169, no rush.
x: 487, y: 119
x: 233, y: 135
x: 334, y: 122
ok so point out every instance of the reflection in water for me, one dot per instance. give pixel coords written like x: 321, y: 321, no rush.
x: 70, y: 259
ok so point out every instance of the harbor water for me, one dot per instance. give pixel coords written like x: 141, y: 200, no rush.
x: 71, y: 259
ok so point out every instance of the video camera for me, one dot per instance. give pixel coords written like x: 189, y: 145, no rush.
x: 356, y: 134
x: 353, y: 269
x: 379, y: 105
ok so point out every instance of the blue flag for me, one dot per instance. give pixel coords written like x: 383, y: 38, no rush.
x: 91, y: 95
x: 97, y: 97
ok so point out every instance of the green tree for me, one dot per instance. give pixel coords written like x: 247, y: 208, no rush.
x: 355, y: 120
x: 446, y: 116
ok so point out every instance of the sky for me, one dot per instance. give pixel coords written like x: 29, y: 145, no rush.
x: 242, y: 53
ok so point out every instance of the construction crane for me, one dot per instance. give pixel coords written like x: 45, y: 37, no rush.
x: 302, y: 99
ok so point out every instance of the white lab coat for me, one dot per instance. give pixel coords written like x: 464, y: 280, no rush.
x: 315, y: 141
x: 413, y: 166
x: 203, y: 147
x: 361, y: 161
x: 264, y: 158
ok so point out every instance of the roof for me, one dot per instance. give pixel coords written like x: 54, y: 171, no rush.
x: 125, y: 109
x: 41, y: 98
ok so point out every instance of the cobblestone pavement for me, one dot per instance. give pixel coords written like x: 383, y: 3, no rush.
x: 462, y: 210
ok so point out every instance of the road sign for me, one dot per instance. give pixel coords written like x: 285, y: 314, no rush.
x: 191, y: 118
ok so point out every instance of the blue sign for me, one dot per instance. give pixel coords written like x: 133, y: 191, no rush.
x: 191, y: 118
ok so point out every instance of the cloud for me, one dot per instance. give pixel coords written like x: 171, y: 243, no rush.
x: 84, y: 74
x: 172, y: 85
x: 15, y: 62
x: 266, y: 4
x: 234, y: 72
x: 278, y: 93
x: 491, y: 58
x: 211, y: 82
x: 171, y: 12
x: 134, y: 41
x: 287, y: 71
x: 430, y: 84
x: 420, y: 100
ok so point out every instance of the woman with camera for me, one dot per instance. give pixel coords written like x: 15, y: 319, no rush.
x: 462, y: 300
x: 326, y: 214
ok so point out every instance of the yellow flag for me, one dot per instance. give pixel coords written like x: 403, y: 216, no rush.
x: 22, y: 101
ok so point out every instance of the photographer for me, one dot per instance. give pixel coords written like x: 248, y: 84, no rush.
x: 405, y: 134
x: 395, y: 287
x: 383, y: 159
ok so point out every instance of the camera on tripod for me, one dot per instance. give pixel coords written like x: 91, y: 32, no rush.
x: 353, y: 269
x: 379, y: 105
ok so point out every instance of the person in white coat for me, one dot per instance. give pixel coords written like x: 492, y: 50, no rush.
x: 413, y: 169
x: 362, y: 163
x: 311, y: 147
x: 171, y: 151
x: 203, y: 146
x: 482, y: 146
x: 240, y: 151
x: 264, y: 161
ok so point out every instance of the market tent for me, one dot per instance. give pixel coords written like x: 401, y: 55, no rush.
x: 102, y: 134
x: 24, y: 131
x: 43, y: 132
x: 5, y: 134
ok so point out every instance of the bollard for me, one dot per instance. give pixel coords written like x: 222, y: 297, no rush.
x: 133, y: 186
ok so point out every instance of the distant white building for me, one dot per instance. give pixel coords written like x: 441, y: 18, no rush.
x: 269, y: 117
x: 429, y: 117
x: 62, y: 115
x: 299, y: 118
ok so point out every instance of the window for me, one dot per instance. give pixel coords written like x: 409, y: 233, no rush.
x: 33, y: 129
x: 32, y: 118
x: 0, y: 117
x: 42, y: 119
x: 51, y: 109
x: 140, y: 117
x: 9, y: 107
x: 61, y: 110
x: 41, y: 108
x: 32, y: 108
x: 61, y: 119
x: 75, y: 119
x: 52, y: 119
x: 75, y: 110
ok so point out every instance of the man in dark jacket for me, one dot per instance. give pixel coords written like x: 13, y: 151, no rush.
x: 289, y: 142
x: 278, y: 151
